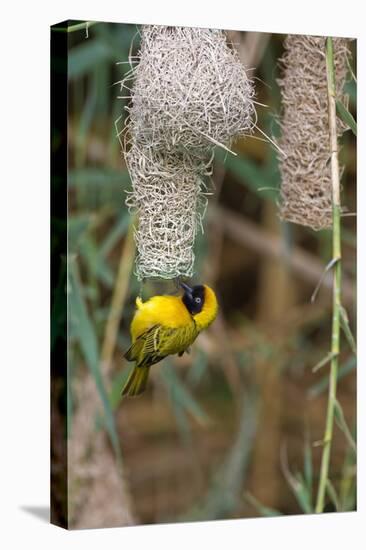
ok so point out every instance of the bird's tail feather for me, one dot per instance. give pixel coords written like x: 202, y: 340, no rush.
x: 136, y: 382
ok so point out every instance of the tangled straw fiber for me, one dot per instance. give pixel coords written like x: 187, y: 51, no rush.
x: 190, y: 93
x: 306, y: 189
x: 168, y: 196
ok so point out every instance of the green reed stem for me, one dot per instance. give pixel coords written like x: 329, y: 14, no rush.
x: 335, y: 344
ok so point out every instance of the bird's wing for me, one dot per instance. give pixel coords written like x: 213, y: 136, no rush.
x: 148, y: 348
x: 159, y: 341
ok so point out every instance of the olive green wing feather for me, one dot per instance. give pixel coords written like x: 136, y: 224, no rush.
x: 158, y: 342
x: 147, y: 349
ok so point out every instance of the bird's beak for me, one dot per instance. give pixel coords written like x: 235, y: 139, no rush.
x: 186, y: 288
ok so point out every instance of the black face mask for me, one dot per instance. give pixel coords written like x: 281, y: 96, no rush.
x: 193, y: 298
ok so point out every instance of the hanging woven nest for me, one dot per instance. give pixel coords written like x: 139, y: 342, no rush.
x: 306, y: 189
x: 189, y: 94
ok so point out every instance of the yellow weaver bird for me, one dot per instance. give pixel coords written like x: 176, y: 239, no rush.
x: 166, y: 325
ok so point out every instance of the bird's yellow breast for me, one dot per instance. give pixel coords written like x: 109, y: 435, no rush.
x: 168, y: 311
x: 209, y: 311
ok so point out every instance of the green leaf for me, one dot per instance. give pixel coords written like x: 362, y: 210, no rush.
x: 332, y: 493
x: 119, y: 38
x: 321, y: 386
x: 346, y: 329
x: 198, y: 369
x: 350, y: 89
x: 77, y: 227
x: 86, y: 118
x: 342, y: 424
x: 97, y: 177
x: 331, y: 355
x: 58, y: 312
x: 263, y: 510
x: 308, y: 468
x: 118, y: 382
x: 254, y: 176
x: 84, y: 57
x: 84, y: 331
x: 270, y: 69
x: 98, y: 188
x: 96, y: 263
x: 347, y: 489
x: 179, y: 392
x: 103, y: 92
x: 110, y: 45
x: 297, y: 484
x: 182, y: 422
x: 226, y: 487
x: 113, y: 236
x: 302, y: 494
x: 354, y: 79
x: 346, y: 116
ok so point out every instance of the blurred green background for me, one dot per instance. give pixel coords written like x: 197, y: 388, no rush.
x: 228, y: 430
